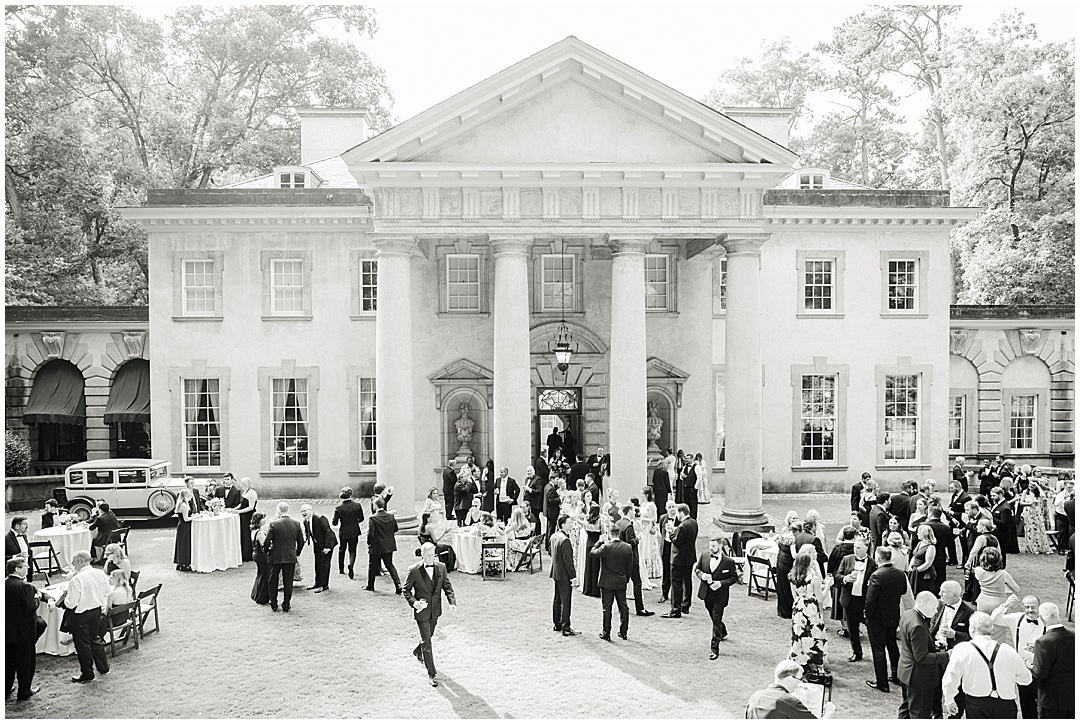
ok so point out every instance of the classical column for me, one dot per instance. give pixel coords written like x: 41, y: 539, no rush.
x: 395, y: 444
x: 742, y: 390
x: 512, y: 421
x: 627, y: 426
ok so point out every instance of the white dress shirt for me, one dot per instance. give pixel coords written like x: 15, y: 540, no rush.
x: 89, y: 589
x: 1022, y: 632
x: 860, y: 573
x: 948, y: 613
x: 968, y: 671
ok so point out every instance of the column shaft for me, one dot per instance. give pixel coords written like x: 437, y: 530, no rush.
x: 513, y: 387
x: 627, y: 406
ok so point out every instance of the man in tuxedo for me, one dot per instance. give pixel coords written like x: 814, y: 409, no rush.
x: 284, y: 541
x: 552, y: 504
x: 856, y: 495
x: 20, y: 629
x: 104, y: 524
x: 449, y: 480
x: 506, y: 493
x: 348, y: 516
x: 717, y: 574
x: 425, y: 583
x: 854, y: 575
x: 898, y: 505
x: 616, y: 560
x: 627, y: 534
x: 1054, y: 666
x: 564, y: 573
x: 683, y: 555
x: 943, y: 541
x: 554, y: 442
x: 878, y: 520
x: 533, y: 496
x: 661, y: 485
x: 958, y: 498
x: 578, y: 471
x: 950, y: 626
x: 600, y: 463
x: 688, y: 486
x: 886, y: 587
x: 321, y: 537
x: 197, y: 503
x: 919, y: 671
x: 667, y: 523
x: 464, y: 491
x: 17, y: 544
x: 381, y: 545
x: 593, y: 488
x: 1023, y: 629
x: 229, y: 492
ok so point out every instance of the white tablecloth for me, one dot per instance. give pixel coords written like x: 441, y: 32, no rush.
x: 466, y: 545
x: 52, y: 641
x: 215, y: 542
x: 66, y: 542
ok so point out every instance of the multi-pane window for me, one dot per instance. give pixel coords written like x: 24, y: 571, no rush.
x: 956, y: 422
x: 291, y: 180
x: 198, y: 286
x: 366, y: 407
x: 811, y: 181
x: 202, y: 423
x: 818, y: 284
x: 723, y: 283
x: 290, y: 422
x: 903, y: 285
x: 369, y: 284
x: 818, y: 417
x: 720, y: 407
x: 656, y: 281
x: 901, y: 417
x: 463, y: 282
x: 557, y: 282
x: 287, y: 286
x: 1022, y: 422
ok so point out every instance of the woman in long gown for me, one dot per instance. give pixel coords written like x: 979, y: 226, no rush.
x: 246, y: 509
x: 785, y: 560
x: 590, y: 579
x: 260, y: 590
x: 921, y: 575
x: 900, y: 561
x: 649, y: 539
x: 1034, y: 516
x: 807, y: 625
x: 182, y: 547
x: 702, y: 472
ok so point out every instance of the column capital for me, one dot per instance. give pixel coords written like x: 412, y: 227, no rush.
x: 744, y: 244
x: 629, y: 243
x: 510, y: 244
x: 391, y: 244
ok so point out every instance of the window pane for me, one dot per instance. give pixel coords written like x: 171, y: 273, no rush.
x: 202, y: 430
x: 723, y: 283
x: 367, y: 411
x: 1022, y: 422
x: 818, y: 417
x: 901, y: 416
x: 818, y: 284
x: 199, y: 286
x: 656, y: 281
x: 558, y: 282
x: 720, y: 409
x: 463, y: 282
x: 290, y: 430
x: 903, y: 280
x: 287, y: 282
x: 369, y: 285
x: 956, y: 422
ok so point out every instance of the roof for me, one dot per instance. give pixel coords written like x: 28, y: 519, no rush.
x: 118, y: 463
x: 333, y: 171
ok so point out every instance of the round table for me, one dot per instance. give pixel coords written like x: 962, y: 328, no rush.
x: 215, y: 542
x: 52, y: 641
x: 466, y: 544
x: 66, y: 542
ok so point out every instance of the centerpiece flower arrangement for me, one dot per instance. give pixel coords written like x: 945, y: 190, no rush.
x: 215, y: 506
x: 67, y: 520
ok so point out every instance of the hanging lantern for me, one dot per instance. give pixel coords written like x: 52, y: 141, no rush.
x: 564, y: 346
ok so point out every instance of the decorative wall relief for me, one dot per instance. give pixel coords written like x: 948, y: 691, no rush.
x: 53, y: 342
x: 958, y: 341
x: 134, y: 344
x: 1030, y: 340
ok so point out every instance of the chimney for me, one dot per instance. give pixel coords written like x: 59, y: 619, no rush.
x: 769, y: 122
x: 326, y: 132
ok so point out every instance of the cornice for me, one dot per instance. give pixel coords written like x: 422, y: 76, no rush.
x: 178, y: 217
x: 859, y: 216
x: 418, y: 175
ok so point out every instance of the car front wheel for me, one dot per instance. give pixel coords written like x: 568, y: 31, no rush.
x: 161, y: 503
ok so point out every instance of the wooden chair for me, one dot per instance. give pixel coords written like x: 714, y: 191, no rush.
x: 122, y: 626
x: 133, y: 580
x: 49, y: 559
x: 120, y: 536
x: 533, y: 549
x: 1070, y: 597
x: 761, y: 578
x: 148, y: 603
x: 492, y: 560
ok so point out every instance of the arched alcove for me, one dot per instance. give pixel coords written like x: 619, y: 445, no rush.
x: 1025, y: 399
x: 478, y: 413
x: 665, y: 407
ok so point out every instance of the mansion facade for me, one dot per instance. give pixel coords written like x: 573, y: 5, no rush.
x: 391, y: 302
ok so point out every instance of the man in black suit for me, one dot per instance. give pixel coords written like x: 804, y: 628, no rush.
x: 505, y: 493
x: 284, y: 541
x: 229, y: 492
x: 599, y: 463
x: 661, y: 485
x: 943, y: 541
x: 667, y: 523
x: 425, y: 583
x: 464, y: 491
x: 104, y: 524
x: 554, y: 442
x: 564, y: 573
x: 578, y: 471
x: 882, y: 610
x: 627, y: 534
x: 593, y: 488
x: 898, y: 505
x: 533, y: 495
x: 449, y: 480
x: 616, y: 560
x: 958, y: 498
x: 878, y: 520
x: 348, y: 516
x: 552, y: 504
x: 683, y: 555
x: 856, y: 496
x: 688, y: 487
x: 20, y: 629
x: 717, y: 574
x: 950, y: 626
x: 381, y: 545
x: 1054, y: 666
x: 920, y: 665
x: 854, y: 575
x: 321, y: 537
x: 17, y: 544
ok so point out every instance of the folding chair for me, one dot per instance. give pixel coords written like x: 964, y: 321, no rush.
x: 122, y: 625
x: 147, y: 601
x: 50, y: 560
x: 1070, y: 597
x: 761, y: 570
x: 120, y: 536
x: 133, y: 579
x: 533, y: 549
x: 492, y: 559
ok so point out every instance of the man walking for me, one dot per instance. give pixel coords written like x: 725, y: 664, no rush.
x: 616, y: 558
x: 988, y: 673
x: 381, y: 545
x: 716, y: 573
x: 683, y: 555
x: 321, y: 537
x: 918, y: 671
x: 20, y: 630
x: 854, y: 575
x: 348, y: 516
x: 284, y: 541
x: 425, y: 583
x: 564, y: 574
x: 87, y: 595
x: 627, y: 534
x: 882, y: 610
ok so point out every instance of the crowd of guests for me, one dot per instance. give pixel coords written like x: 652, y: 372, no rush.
x: 239, y: 498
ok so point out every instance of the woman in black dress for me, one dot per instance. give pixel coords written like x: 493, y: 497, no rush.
x: 785, y: 561
x: 182, y: 550
x: 591, y: 576
x: 260, y: 591
x: 845, y: 547
x: 246, y: 509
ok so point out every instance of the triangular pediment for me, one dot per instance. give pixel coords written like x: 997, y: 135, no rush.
x: 463, y: 369
x: 658, y: 368
x: 570, y: 103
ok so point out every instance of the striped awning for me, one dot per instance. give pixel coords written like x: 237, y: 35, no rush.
x: 57, y: 395
x: 129, y: 398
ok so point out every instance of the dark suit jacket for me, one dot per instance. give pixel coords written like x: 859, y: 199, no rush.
x: 199, y: 505
x: 918, y: 660
x: 418, y: 586
x: 541, y: 467
x: 882, y: 604
x: 856, y: 496
x: 322, y: 535
x: 449, y: 480
x: 562, y: 558
x: 578, y: 472
x: 956, y: 505
x: 687, y: 484
x: 232, y: 496
x: 512, y: 490
x: 534, y: 492
x: 847, y: 566
x: 878, y: 524
x: 803, y: 538
x: 616, y: 561
x: 724, y: 574
x: 661, y: 485
x: 104, y: 525
x: 959, y: 624
x: 464, y: 492
x: 944, y: 537
x: 284, y: 541
x: 898, y: 506
x: 627, y: 534
x: 551, y: 501
x: 20, y: 610
x: 11, y: 545
x: 349, y: 514
x: 684, y: 546
x: 1054, y: 668
x: 380, y: 533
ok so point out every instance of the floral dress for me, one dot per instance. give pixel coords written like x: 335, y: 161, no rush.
x: 649, y: 543
x: 1034, y: 517
x: 807, y: 625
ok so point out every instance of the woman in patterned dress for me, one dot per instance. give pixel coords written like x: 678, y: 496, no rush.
x: 807, y: 625
x: 1035, y: 518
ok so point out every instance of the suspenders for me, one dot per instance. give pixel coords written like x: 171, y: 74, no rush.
x: 990, y: 665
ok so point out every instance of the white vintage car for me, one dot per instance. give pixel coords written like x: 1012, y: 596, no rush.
x: 133, y: 487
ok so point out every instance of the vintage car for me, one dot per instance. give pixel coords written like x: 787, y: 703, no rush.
x: 133, y: 487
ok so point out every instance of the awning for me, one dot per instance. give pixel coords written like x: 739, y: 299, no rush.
x: 57, y: 395
x: 129, y: 398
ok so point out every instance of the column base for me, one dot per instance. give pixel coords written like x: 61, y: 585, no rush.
x: 736, y: 521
